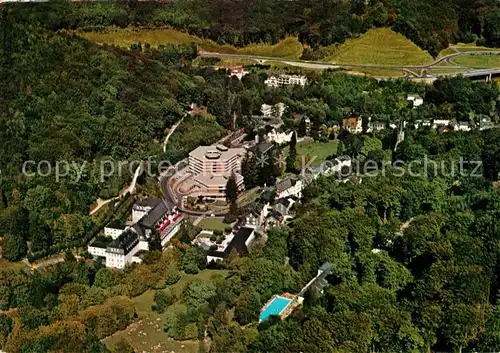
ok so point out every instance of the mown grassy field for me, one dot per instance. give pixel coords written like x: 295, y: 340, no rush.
x: 478, y: 61
x: 381, y: 72
x: 380, y: 46
x: 212, y: 223
x: 448, y: 71
x: 320, y: 151
x: 146, y: 334
x: 464, y: 48
x: 289, y: 48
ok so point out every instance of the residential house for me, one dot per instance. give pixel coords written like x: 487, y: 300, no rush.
x: 485, y: 123
x: 329, y: 167
x: 279, y: 213
x: 289, y: 187
x: 240, y: 242
x: 256, y: 216
x: 462, y: 126
x: 237, y: 71
x: 440, y: 122
x: 415, y: 99
x: 353, y: 125
x: 279, y: 137
x: 320, y: 281
x: 376, y: 125
x: 422, y: 123
x: 198, y: 111
x: 270, y: 111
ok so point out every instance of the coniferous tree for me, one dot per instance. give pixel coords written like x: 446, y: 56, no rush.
x: 249, y: 170
x: 232, y: 195
x: 155, y: 241
x: 302, y: 131
x: 292, y: 154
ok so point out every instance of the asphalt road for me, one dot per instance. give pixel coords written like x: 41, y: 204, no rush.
x: 405, y: 68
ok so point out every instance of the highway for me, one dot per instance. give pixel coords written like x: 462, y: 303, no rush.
x: 409, y: 70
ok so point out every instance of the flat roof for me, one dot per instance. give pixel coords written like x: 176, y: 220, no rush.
x: 216, y: 180
x: 218, y: 152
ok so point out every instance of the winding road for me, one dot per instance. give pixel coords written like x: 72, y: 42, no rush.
x: 417, y: 71
x: 131, y: 188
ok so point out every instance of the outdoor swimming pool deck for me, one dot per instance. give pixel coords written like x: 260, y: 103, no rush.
x: 274, y: 307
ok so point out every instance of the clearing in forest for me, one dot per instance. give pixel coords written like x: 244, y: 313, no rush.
x: 380, y: 46
x: 288, y: 48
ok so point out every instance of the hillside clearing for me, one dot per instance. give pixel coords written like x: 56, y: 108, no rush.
x: 146, y: 334
x: 380, y: 46
x: 288, y: 48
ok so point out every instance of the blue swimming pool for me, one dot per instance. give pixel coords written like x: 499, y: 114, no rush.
x: 275, y: 307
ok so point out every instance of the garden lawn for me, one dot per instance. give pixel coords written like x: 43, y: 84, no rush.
x: 212, y: 223
x: 320, y: 150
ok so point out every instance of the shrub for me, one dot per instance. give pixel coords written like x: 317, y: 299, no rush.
x: 172, y: 276
x: 162, y: 300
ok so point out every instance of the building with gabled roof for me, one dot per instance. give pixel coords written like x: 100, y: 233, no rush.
x: 163, y: 218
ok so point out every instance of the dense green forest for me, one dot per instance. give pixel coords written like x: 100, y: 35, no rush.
x: 430, y: 285
x: 431, y: 24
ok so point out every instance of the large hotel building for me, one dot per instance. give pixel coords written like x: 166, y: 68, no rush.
x: 211, y: 167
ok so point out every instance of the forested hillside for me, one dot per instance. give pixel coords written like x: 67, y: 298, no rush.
x: 64, y: 99
x: 431, y: 24
x: 415, y: 257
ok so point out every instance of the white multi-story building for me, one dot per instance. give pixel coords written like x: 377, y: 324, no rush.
x: 114, y: 229
x: 212, y: 166
x: 122, y: 250
x: 215, y: 160
x: 286, y: 80
x: 142, y: 207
